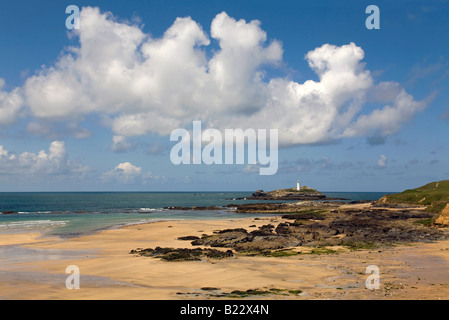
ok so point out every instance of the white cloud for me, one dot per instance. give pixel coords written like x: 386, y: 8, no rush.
x: 389, y: 119
x: 40, y: 165
x: 51, y: 130
x: 128, y: 169
x: 54, y: 164
x: 126, y: 173
x: 382, y: 162
x: 187, y: 179
x: 154, y: 85
x: 11, y: 104
x: 120, y: 144
x: 251, y: 168
x: 3, y: 152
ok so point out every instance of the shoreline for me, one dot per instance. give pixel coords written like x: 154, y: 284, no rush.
x: 109, y: 271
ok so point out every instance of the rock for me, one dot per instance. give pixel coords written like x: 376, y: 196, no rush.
x: 232, y: 230
x: 194, y: 208
x: 283, y: 228
x: 225, y: 238
x: 304, y: 216
x: 285, y: 208
x: 266, y: 230
x: 443, y: 218
x: 288, y: 194
x: 262, y: 208
x: 182, y: 254
x: 259, y: 193
x: 357, y: 227
x: 188, y: 238
x: 320, y: 225
x: 263, y: 243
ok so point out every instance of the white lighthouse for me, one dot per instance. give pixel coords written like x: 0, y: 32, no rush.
x: 298, y: 186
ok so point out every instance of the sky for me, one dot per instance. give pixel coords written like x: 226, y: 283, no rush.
x: 92, y: 109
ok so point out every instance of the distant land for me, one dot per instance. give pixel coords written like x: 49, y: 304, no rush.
x: 305, y: 193
x: 434, y: 196
x: 415, y: 215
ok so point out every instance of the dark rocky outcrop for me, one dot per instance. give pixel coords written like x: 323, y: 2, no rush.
x: 266, y: 207
x: 189, y: 238
x: 194, y: 208
x: 312, y: 224
x: 227, y: 238
x: 351, y: 227
x: 304, y: 193
x: 183, y: 254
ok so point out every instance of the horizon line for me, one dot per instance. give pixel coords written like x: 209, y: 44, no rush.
x: 176, y: 191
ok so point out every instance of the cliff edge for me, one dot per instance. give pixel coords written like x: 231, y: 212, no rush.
x: 433, y: 196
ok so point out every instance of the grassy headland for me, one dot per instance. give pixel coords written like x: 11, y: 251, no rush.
x: 434, y: 195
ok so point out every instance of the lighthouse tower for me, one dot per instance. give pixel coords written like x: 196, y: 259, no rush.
x: 298, y: 186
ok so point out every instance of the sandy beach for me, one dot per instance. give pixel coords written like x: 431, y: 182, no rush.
x: 34, y: 267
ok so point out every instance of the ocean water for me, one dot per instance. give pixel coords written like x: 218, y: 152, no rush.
x: 70, y: 214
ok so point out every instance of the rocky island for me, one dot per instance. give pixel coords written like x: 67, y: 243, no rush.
x: 304, y: 193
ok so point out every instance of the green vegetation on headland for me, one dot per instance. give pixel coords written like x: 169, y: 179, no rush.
x: 305, y: 193
x: 434, y: 195
x: 302, y: 189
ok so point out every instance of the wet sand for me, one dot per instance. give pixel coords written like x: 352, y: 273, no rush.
x: 33, y: 267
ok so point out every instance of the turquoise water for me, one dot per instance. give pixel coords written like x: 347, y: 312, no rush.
x: 69, y: 214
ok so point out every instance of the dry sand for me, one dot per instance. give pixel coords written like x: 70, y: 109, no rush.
x: 33, y: 267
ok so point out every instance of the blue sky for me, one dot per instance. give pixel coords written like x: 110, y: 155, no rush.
x: 92, y: 109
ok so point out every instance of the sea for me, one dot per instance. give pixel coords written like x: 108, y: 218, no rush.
x: 72, y: 214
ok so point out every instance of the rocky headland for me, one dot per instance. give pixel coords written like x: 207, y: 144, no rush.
x: 304, y: 193
x: 326, y: 224
x: 352, y: 226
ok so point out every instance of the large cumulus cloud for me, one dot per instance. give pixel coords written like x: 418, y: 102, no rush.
x: 142, y: 84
